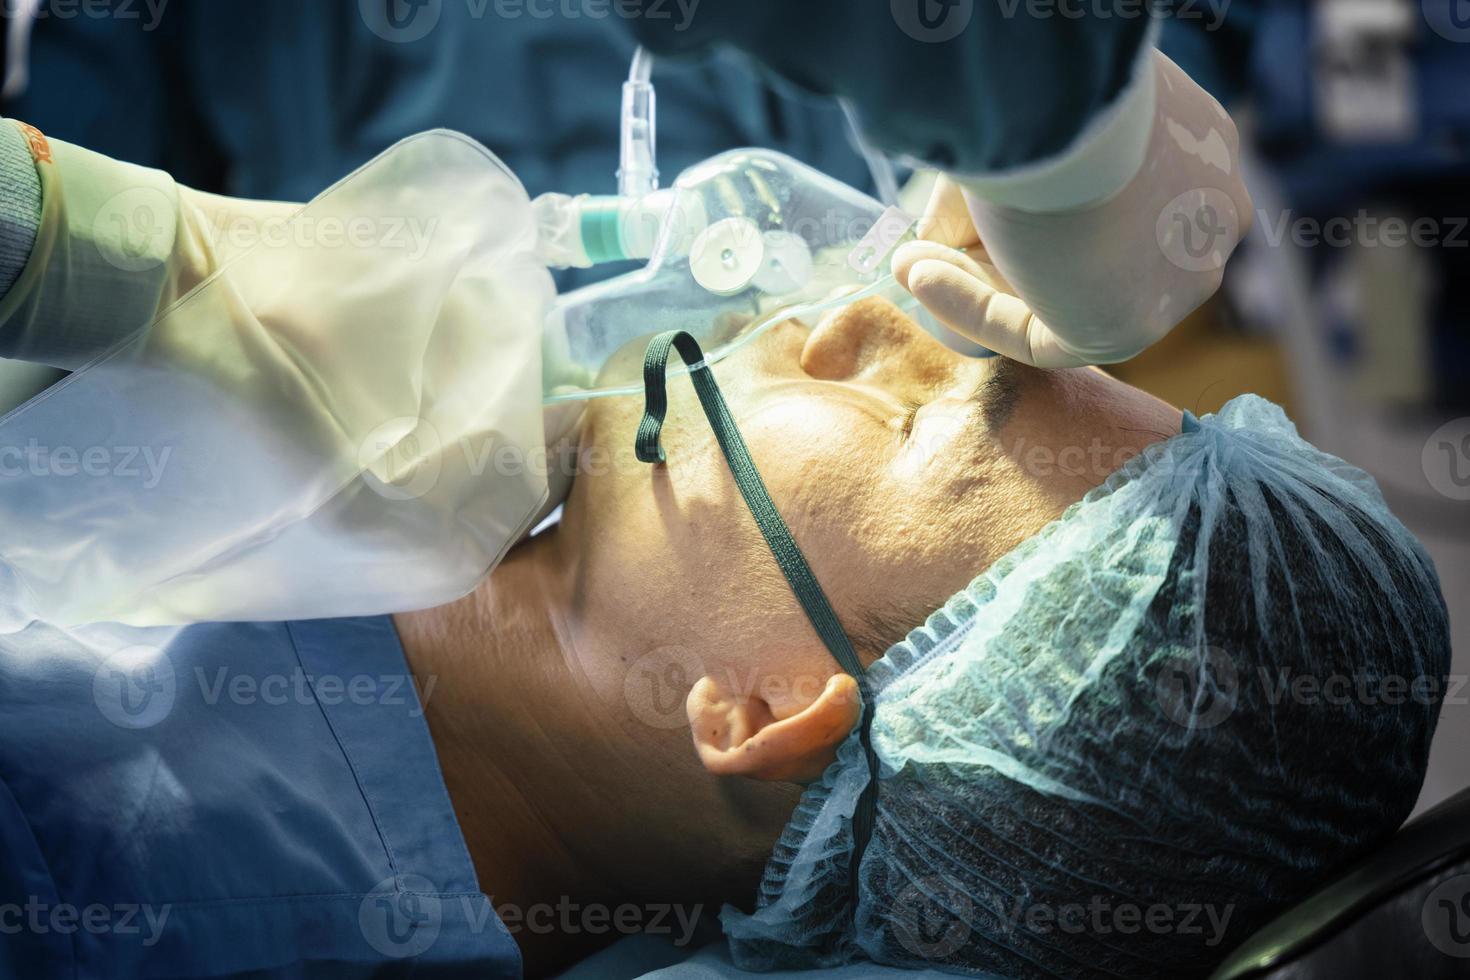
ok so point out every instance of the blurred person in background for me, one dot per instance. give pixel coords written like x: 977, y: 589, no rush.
x: 276, y: 100
x: 1358, y: 268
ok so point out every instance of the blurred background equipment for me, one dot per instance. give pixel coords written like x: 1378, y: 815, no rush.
x: 1350, y: 301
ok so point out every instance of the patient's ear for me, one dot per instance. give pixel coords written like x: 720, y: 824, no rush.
x: 740, y: 735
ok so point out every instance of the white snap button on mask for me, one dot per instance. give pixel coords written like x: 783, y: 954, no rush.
x: 727, y: 256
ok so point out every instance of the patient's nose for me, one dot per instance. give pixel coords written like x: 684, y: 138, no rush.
x: 874, y: 341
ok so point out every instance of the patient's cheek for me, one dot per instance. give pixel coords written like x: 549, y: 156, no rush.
x: 802, y: 441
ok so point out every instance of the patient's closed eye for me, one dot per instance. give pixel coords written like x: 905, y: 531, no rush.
x: 910, y: 415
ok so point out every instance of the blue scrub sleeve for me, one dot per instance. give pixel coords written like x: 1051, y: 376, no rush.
x: 969, y: 87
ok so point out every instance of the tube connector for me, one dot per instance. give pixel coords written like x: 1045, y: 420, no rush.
x: 637, y: 166
x: 591, y: 229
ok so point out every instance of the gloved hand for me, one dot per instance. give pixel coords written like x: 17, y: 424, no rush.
x: 1096, y: 283
x: 117, y: 244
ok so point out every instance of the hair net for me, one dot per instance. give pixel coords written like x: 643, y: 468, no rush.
x: 1138, y: 735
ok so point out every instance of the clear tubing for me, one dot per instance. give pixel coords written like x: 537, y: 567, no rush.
x: 637, y: 167
x: 884, y: 179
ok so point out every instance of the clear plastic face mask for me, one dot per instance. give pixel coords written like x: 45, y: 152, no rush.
x: 751, y: 238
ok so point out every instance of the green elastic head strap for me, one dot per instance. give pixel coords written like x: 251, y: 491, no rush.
x: 778, y: 536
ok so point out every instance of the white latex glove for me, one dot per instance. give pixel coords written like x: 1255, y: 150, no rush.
x: 1095, y: 283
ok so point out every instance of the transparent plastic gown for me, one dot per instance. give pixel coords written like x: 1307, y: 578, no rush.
x: 311, y: 432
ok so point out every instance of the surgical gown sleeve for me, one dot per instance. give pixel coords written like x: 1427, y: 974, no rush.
x: 20, y: 205
x: 974, y: 88
x: 116, y: 244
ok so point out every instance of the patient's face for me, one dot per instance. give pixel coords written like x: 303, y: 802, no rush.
x: 893, y: 460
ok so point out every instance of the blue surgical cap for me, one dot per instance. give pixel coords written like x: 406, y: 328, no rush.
x: 1137, y: 736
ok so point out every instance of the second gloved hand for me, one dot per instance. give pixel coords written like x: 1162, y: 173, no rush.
x: 1095, y: 283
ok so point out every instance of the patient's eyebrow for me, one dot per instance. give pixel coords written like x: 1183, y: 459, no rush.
x: 997, y: 394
